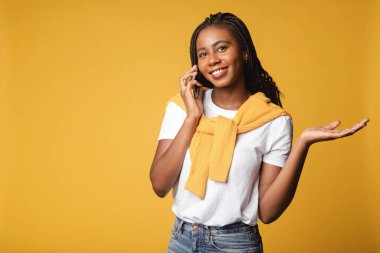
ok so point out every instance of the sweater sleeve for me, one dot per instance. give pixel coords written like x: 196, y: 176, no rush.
x: 172, y: 122
x: 279, y: 141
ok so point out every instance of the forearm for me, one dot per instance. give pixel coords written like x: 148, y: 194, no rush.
x: 165, y: 171
x: 281, y: 192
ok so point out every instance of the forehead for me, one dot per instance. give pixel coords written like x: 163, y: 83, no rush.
x: 208, y: 36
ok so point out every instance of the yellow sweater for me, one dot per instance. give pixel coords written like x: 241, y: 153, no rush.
x: 213, y: 143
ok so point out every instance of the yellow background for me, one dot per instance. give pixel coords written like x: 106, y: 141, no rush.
x: 83, y: 87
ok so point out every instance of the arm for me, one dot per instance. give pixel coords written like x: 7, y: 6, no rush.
x: 167, y: 162
x: 170, y: 153
x: 278, y: 186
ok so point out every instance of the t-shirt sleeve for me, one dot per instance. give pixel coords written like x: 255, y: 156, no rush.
x: 172, y: 122
x: 279, y: 142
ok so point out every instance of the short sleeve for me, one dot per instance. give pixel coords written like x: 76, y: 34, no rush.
x: 172, y: 122
x: 279, y: 141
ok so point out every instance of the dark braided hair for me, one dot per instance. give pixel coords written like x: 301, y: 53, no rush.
x: 256, y: 78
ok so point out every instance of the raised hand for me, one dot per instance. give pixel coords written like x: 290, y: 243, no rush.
x: 194, y: 106
x: 325, y: 133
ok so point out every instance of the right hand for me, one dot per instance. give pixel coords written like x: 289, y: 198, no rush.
x: 194, y: 106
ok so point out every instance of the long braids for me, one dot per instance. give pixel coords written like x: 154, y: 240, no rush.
x: 256, y: 78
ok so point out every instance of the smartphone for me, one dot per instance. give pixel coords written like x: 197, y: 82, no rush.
x: 196, y: 91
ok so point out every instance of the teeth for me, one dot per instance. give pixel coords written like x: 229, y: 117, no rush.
x: 217, y: 71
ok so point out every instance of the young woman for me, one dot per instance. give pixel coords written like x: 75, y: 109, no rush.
x: 226, y: 153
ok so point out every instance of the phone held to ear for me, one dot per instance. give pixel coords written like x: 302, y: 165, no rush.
x: 195, y: 89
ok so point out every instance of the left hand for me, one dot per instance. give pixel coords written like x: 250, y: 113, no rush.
x: 325, y: 133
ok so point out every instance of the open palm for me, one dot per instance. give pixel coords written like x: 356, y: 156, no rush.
x: 324, y: 133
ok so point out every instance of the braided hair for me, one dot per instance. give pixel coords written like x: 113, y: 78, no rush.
x: 256, y: 78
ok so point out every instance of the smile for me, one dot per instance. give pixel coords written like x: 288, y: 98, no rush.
x: 219, y: 72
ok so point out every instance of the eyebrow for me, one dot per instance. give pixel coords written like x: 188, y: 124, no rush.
x: 216, y: 43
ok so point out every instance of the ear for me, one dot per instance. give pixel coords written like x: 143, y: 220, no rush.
x: 245, y: 55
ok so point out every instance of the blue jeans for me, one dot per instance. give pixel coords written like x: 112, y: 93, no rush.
x: 194, y: 237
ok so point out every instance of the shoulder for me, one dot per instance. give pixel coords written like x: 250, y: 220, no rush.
x: 174, y: 110
x: 175, y: 102
x: 280, y: 126
x: 281, y: 121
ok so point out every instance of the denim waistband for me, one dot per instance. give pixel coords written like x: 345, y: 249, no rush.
x: 230, y: 228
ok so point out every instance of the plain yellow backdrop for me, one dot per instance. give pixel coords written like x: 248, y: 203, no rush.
x: 83, y: 88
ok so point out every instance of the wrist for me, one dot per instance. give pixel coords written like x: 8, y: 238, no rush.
x: 192, y: 119
x: 304, y: 142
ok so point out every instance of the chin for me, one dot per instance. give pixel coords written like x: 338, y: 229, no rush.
x: 220, y: 85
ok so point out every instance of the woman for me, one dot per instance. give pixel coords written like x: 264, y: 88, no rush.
x: 226, y: 153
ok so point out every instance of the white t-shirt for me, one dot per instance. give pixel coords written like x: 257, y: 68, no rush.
x: 237, y: 199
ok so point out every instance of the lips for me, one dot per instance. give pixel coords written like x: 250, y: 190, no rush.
x: 218, y: 73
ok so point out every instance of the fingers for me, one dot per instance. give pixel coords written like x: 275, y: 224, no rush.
x: 332, y: 125
x: 190, y: 85
x: 351, y: 130
x: 184, y: 80
x: 354, y: 128
x: 187, y: 82
x: 194, y: 68
x: 359, y: 125
x: 364, y: 121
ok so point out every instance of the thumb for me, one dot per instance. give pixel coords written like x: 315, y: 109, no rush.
x: 332, y: 125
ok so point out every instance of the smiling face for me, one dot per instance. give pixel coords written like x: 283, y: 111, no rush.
x: 220, y: 59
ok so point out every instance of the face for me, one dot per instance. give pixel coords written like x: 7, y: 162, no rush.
x: 220, y: 59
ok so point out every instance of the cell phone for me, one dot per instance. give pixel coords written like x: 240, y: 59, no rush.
x: 196, y: 91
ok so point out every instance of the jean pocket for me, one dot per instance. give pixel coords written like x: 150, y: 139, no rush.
x: 235, y: 242
x: 174, y: 232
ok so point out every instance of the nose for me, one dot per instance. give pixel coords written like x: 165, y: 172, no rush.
x: 213, y: 59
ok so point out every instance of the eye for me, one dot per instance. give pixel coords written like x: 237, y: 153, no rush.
x: 201, y: 54
x: 222, y: 48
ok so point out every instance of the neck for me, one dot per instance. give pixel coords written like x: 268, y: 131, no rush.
x: 229, y: 98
